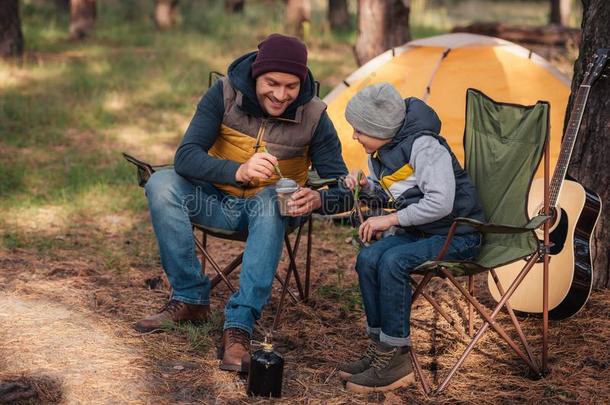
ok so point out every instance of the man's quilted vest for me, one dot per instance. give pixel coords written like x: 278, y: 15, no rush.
x: 242, y: 135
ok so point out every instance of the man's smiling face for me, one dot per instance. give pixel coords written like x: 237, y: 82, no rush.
x: 276, y: 90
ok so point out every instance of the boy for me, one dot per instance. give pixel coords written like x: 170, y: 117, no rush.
x: 413, y: 169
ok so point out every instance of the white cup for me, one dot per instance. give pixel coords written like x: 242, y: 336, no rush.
x: 285, y: 188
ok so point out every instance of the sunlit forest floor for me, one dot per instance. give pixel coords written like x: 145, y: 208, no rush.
x: 78, y: 258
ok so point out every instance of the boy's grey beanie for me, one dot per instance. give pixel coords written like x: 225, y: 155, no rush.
x: 377, y: 111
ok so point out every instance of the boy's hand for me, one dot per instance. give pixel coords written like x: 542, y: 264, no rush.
x: 303, y: 202
x: 375, y: 225
x: 259, y: 165
x: 352, y: 179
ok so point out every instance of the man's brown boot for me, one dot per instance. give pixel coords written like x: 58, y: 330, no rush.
x: 173, y: 312
x: 235, y: 350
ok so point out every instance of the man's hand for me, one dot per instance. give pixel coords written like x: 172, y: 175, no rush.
x: 375, y: 225
x: 303, y: 202
x: 352, y: 179
x: 259, y: 165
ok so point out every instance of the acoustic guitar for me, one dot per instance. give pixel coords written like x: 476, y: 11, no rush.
x: 575, y: 211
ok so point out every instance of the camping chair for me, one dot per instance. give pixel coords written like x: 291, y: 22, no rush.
x: 503, y: 146
x: 145, y: 170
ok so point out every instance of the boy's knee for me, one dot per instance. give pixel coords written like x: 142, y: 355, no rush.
x: 367, y: 260
x: 394, y: 267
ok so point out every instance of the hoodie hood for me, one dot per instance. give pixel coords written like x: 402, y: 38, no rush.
x: 419, y: 118
x: 240, y: 76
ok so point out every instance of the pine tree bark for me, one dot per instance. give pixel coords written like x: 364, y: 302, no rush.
x: 234, y: 6
x: 589, y: 162
x: 297, y: 17
x: 338, y: 15
x: 560, y: 12
x: 82, y: 18
x: 11, y: 37
x: 165, y: 13
x: 382, y: 24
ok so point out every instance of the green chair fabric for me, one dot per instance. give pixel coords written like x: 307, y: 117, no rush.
x: 503, y: 146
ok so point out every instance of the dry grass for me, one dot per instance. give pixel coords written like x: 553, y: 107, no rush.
x: 67, y: 319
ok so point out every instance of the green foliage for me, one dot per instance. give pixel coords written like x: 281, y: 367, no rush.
x: 347, y: 298
x: 199, y: 335
x: 70, y: 107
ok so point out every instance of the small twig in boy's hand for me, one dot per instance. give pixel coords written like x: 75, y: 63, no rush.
x: 357, y: 196
x: 357, y: 207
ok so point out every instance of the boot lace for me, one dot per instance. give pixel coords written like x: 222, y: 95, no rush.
x: 370, y: 351
x: 380, y: 359
x: 172, y: 306
x: 238, y: 336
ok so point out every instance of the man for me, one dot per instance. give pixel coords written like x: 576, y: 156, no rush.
x: 263, y: 114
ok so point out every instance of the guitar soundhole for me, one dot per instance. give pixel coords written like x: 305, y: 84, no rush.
x: 559, y: 233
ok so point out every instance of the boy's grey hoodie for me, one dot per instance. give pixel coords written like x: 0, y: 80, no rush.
x: 418, y: 174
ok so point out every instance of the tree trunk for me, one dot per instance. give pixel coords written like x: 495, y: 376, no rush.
x: 298, y: 16
x: 11, y: 37
x: 589, y: 162
x: 82, y: 18
x: 382, y: 24
x: 560, y: 12
x: 165, y: 13
x: 62, y: 5
x: 338, y: 15
x: 234, y: 6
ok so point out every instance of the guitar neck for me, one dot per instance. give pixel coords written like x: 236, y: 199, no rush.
x: 568, y: 142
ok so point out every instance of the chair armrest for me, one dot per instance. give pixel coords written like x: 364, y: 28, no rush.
x: 487, y: 227
x: 316, y: 182
x: 145, y: 170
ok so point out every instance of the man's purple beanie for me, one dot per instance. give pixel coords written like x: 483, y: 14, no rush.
x: 279, y: 53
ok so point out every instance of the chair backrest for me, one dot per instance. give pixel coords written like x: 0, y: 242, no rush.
x: 503, y: 146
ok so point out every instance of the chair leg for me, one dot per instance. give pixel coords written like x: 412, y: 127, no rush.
x: 214, y: 264
x: 489, y: 321
x: 470, y: 309
x: 513, y: 318
x: 438, y: 308
x: 418, y: 371
x: 292, y: 257
x: 204, y: 242
x: 308, y: 257
x: 280, y: 306
x: 292, y: 268
x: 421, y: 286
x: 545, y: 307
x: 227, y: 270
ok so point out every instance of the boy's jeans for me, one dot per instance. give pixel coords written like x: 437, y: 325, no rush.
x: 175, y: 203
x: 383, y: 271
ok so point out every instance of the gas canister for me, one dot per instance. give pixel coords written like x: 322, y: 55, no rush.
x: 266, y: 371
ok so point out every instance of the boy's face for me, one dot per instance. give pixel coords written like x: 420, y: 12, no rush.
x: 276, y: 90
x: 369, y: 143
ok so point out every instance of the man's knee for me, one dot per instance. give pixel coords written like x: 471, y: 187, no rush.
x: 162, y: 188
x: 263, y: 209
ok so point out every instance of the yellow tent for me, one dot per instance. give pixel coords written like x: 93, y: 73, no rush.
x: 440, y: 69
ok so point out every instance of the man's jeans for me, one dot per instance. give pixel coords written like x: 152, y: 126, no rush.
x: 176, y: 203
x: 383, y: 271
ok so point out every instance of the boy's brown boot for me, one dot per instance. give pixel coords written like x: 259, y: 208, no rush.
x: 346, y: 370
x: 390, y: 369
x: 173, y: 312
